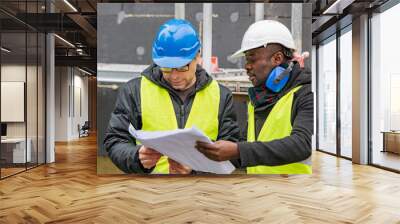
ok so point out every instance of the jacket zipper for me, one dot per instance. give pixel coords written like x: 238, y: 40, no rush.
x: 182, y: 116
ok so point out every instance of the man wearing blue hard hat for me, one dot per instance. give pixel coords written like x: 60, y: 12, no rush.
x: 174, y: 92
x: 280, y: 112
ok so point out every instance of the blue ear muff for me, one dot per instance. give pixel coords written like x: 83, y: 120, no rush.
x: 278, y: 78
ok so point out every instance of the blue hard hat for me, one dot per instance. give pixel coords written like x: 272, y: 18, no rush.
x: 176, y: 44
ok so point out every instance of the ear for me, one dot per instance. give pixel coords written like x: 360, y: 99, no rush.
x: 198, y: 59
x: 277, y: 58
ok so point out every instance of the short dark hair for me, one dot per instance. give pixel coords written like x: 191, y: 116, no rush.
x: 287, y: 52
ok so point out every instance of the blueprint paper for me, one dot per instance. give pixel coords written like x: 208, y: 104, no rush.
x: 179, y: 146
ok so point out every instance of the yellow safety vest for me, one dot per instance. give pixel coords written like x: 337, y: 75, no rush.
x: 158, y: 113
x: 276, y: 126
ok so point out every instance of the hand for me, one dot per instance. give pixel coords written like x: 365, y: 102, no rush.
x: 219, y: 151
x: 148, y: 157
x: 177, y: 168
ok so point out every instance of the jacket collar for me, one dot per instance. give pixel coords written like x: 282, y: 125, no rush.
x: 267, y: 98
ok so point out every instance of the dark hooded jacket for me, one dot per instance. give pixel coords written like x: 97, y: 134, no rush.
x: 297, y: 146
x: 121, y: 146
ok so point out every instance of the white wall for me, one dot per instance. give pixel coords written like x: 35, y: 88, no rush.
x: 12, y: 101
x: 79, y: 117
x: 62, y: 81
x: 14, y: 73
x: 33, y: 125
x: 70, y: 83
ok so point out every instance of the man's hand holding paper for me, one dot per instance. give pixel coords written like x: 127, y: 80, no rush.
x: 148, y: 157
x: 179, y: 145
x: 219, y: 151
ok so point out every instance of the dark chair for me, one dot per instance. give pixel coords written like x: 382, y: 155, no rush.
x: 84, y: 130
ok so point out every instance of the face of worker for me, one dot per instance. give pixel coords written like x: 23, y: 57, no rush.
x: 261, y: 61
x: 182, y: 80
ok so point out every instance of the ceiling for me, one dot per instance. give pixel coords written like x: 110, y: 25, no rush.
x: 77, y: 25
x: 76, y: 22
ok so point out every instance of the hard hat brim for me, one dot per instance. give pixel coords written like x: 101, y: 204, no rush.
x: 239, y: 53
x: 172, y: 62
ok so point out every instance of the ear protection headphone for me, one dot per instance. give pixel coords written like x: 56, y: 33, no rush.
x: 278, y: 77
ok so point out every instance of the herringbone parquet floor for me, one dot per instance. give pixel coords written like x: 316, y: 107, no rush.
x: 69, y: 191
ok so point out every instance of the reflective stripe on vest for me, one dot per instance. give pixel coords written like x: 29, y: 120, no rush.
x: 276, y: 126
x: 158, y: 113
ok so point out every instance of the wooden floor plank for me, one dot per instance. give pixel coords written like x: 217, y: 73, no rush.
x: 70, y: 191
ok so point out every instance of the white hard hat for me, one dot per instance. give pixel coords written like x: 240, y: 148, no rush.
x: 265, y: 32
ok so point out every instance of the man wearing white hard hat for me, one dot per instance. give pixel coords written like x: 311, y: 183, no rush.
x: 280, y: 112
